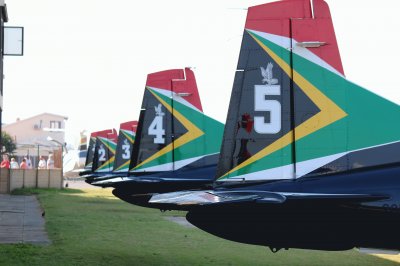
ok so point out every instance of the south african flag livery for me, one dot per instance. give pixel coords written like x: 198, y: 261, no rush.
x: 91, y: 152
x: 293, y: 113
x: 126, y: 139
x: 104, y: 153
x: 173, y: 131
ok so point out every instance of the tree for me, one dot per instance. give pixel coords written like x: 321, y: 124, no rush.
x: 8, y: 143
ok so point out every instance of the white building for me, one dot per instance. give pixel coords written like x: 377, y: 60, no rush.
x: 32, y: 135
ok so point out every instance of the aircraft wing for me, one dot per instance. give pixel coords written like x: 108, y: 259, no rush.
x: 208, y: 197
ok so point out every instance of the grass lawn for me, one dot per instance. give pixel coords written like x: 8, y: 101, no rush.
x: 92, y: 227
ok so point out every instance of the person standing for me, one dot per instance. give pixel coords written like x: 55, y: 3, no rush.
x: 5, y: 163
x: 50, y: 162
x: 14, y: 164
x: 23, y: 164
x: 28, y: 162
x: 42, y: 163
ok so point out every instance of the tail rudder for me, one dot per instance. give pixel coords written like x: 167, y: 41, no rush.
x: 91, y: 151
x: 292, y: 112
x: 126, y: 139
x: 171, y: 128
x: 83, y: 143
x: 103, y: 159
x: 82, y: 150
x: 197, y: 137
x: 261, y: 102
x: 155, y: 120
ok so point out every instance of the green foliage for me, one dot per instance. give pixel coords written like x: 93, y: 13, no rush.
x: 8, y: 143
x: 92, y: 227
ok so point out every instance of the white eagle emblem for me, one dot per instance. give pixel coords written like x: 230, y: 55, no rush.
x: 267, y: 75
x: 158, y: 110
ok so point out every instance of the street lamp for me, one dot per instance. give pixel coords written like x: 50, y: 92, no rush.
x: 56, y: 141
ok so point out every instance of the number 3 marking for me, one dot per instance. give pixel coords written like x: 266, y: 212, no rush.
x: 126, y: 148
x: 271, y: 106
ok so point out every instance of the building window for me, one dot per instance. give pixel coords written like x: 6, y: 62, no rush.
x: 55, y: 124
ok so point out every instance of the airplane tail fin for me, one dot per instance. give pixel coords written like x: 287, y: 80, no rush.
x: 83, y: 144
x: 90, y: 151
x: 126, y: 139
x: 82, y: 151
x: 103, y: 158
x: 292, y: 112
x: 173, y: 131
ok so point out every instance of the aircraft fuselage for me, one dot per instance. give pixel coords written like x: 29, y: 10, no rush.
x: 309, y: 223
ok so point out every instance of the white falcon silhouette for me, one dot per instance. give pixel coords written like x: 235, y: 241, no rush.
x: 267, y: 75
x: 158, y: 110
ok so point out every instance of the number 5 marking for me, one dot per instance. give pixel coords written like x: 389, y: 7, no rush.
x: 271, y: 106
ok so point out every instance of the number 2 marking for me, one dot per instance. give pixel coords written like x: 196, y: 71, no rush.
x: 102, y: 154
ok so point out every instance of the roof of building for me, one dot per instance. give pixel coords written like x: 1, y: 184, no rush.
x: 34, y: 117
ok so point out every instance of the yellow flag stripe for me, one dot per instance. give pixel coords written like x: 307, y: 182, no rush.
x: 193, y: 132
x: 110, y: 161
x: 329, y: 113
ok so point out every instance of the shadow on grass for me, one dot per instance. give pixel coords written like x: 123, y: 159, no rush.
x: 36, y: 191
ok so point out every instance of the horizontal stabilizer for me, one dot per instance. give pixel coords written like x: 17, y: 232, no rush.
x: 214, y: 197
x: 121, y: 180
x: 78, y: 170
x: 118, y: 181
x: 207, y: 197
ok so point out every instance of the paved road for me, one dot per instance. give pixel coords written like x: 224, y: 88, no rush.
x: 21, y: 220
x: 79, y: 184
x: 179, y: 220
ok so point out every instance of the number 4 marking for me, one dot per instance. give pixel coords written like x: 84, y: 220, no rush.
x: 156, y: 129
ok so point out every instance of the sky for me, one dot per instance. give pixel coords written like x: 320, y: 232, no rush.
x: 88, y: 60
